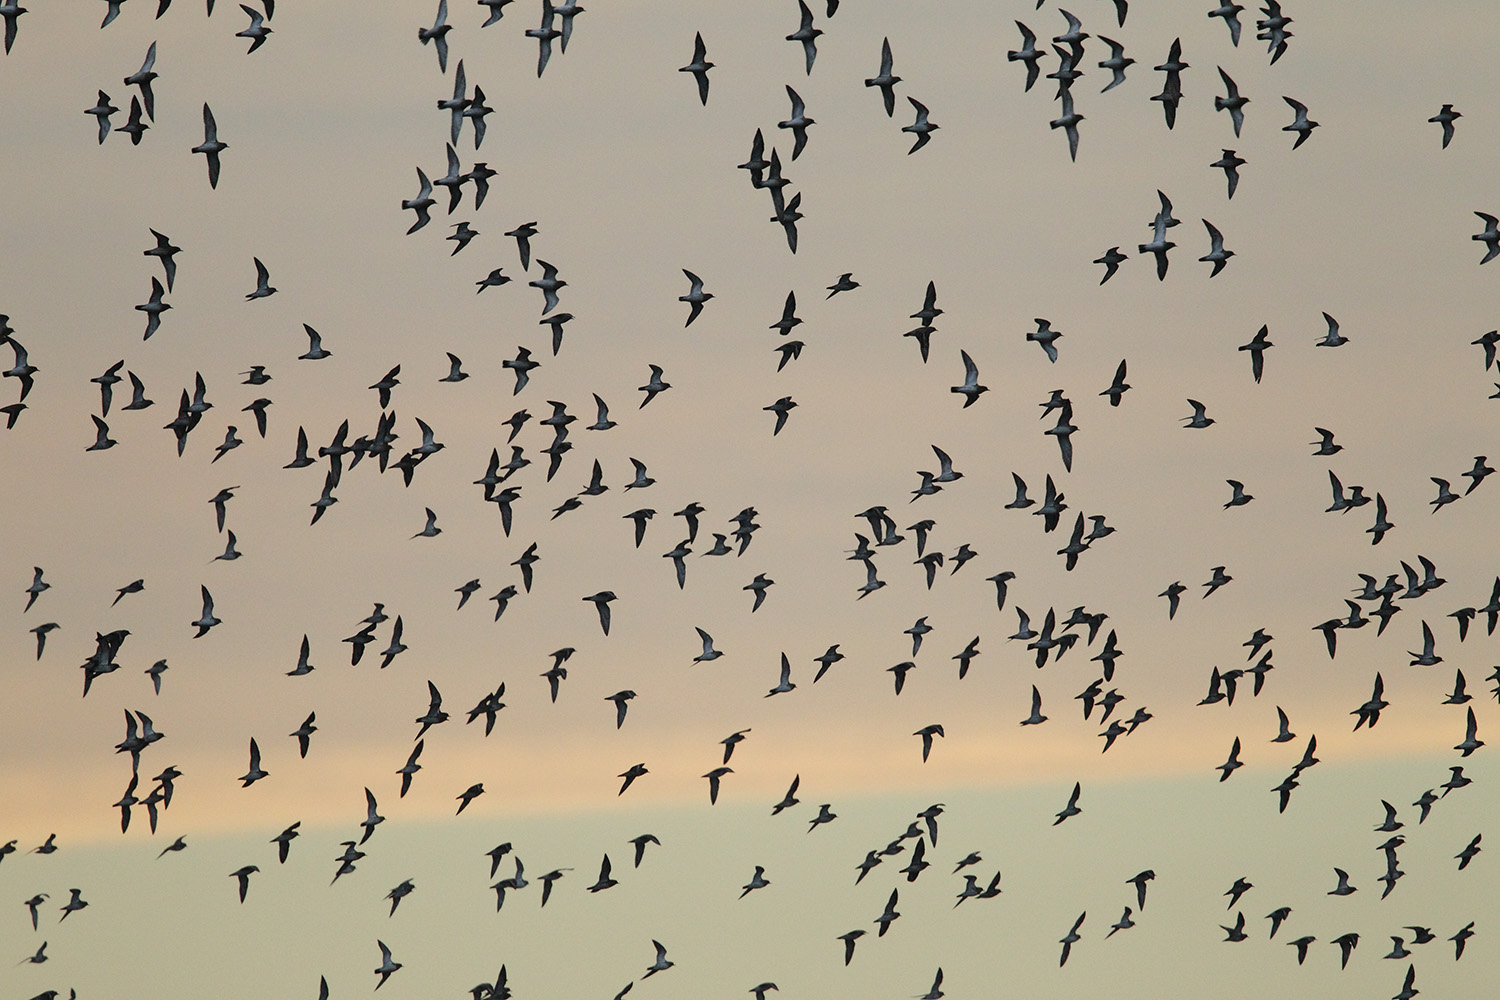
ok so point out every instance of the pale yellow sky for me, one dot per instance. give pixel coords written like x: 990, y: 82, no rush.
x: 630, y: 180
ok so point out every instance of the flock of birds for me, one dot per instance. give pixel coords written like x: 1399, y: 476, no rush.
x: 1385, y: 590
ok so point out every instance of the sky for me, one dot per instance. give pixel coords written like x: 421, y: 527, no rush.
x: 630, y: 180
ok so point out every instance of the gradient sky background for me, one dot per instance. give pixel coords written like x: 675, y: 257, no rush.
x: 630, y: 180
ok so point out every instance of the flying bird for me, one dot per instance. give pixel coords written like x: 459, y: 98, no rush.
x: 885, y: 80
x: 257, y: 31
x: 1347, y: 943
x: 11, y: 11
x: 788, y: 215
x: 211, y: 147
x: 797, y: 123
x: 1200, y: 418
x: 601, y: 604
x: 1028, y: 54
x: 849, y: 938
x: 654, y: 386
x: 807, y: 35
x: 255, y: 773
x: 1257, y: 349
x: 630, y: 774
x: 430, y: 530
x: 927, y: 733
x: 567, y: 11
x: 696, y: 296
x: 1139, y: 881
x: 469, y: 795
x: 152, y: 307
x: 1118, y: 61
x: 1464, y: 933
x: 387, y: 966
x: 1445, y: 117
x: 372, y: 819
x: 1471, y: 741
x: 1229, y: 11
x: 1491, y: 239
x: 1382, y: 524
x: 699, y: 67
x: 757, y: 881
x: 1230, y: 163
x: 889, y: 915
x: 1343, y: 888
x: 923, y: 129
x: 621, y: 700
x: 102, y: 109
x: 1173, y: 594
x: 1300, y: 123
x: 1072, y: 808
x: 1111, y: 260
x: 1232, y: 102
x: 243, y: 875
x: 434, y: 715
x: 142, y: 78
x: 1216, y: 255
x: 75, y: 903
x: 438, y: 35
x: 303, y: 733
x: 207, y: 620
x: 458, y: 103
x: 1070, y: 939
x: 1068, y: 122
x: 1229, y: 766
x: 784, y: 684
x: 661, y: 964
x: 1075, y: 33
x: 494, y: 279
x: 605, y: 881
x: 1125, y: 923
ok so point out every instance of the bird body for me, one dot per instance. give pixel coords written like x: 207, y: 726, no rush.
x: 699, y: 67
x: 1070, y: 939
x: 807, y: 35
x: 1300, y: 123
x: 885, y: 80
x: 661, y: 964
x: 387, y: 965
x: 923, y: 129
x: 211, y: 147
